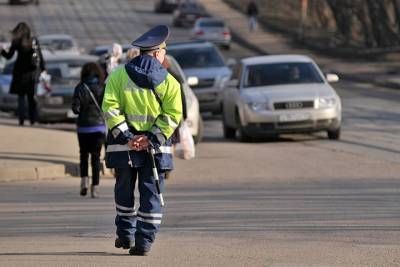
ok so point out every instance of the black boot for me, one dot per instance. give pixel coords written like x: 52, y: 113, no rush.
x: 135, y: 251
x: 84, y: 185
x: 123, y: 243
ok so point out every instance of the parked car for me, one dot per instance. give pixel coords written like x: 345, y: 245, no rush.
x: 186, y: 14
x: 165, y: 6
x: 213, y: 30
x: 8, y: 102
x: 194, y: 119
x: 270, y: 95
x: 59, y: 43
x: 54, y: 104
x: 204, y: 61
x: 20, y: 2
x: 65, y: 70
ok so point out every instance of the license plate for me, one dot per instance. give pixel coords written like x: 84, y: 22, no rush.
x: 294, y: 117
x: 71, y: 114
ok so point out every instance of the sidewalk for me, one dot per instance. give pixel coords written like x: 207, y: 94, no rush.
x: 33, y: 153
x: 263, y: 41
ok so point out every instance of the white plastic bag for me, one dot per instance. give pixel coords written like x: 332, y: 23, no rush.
x: 185, y: 148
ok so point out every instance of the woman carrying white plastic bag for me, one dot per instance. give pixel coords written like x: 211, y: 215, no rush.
x: 185, y: 149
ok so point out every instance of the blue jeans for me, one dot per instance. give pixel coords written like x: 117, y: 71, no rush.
x: 143, y: 224
x: 31, y: 108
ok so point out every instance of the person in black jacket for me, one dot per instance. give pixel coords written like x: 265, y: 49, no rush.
x: 252, y: 12
x: 86, y: 102
x: 27, y: 68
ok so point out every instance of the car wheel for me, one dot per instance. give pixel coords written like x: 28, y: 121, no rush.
x: 226, y: 47
x: 197, y: 138
x: 229, y: 132
x: 334, y: 134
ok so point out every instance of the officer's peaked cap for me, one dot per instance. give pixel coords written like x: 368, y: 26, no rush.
x: 153, y: 38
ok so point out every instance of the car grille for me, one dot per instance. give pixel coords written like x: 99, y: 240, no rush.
x: 294, y: 105
x: 205, y: 83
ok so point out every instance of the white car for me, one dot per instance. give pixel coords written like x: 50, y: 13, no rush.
x: 194, y: 119
x: 271, y: 95
x: 59, y: 43
x: 213, y: 30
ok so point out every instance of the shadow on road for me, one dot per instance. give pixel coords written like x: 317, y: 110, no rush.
x: 67, y: 253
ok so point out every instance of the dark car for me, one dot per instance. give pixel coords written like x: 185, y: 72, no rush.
x: 21, y: 2
x: 166, y: 6
x: 187, y: 13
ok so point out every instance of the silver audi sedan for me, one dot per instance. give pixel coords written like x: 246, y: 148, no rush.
x: 272, y: 95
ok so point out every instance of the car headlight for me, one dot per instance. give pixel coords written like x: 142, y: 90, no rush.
x: 258, y: 106
x: 326, y: 102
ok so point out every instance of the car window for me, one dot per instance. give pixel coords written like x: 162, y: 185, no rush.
x: 281, y: 73
x: 197, y: 57
x: 191, y: 7
x: 212, y: 23
x: 56, y: 44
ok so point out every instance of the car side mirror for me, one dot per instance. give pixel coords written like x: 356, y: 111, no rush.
x: 332, y: 78
x: 192, y: 81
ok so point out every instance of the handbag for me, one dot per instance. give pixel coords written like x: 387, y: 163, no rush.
x: 185, y: 148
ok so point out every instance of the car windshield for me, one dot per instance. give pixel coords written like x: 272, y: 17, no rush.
x: 57, y: 44
x: 211, y: 23
x: 197, y: 57
x: 191, y: 7
x: 281, y: 73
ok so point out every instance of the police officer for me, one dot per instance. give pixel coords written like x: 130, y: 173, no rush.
x: 142, y: 105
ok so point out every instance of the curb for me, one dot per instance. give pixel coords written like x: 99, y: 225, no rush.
x: 9, y: 174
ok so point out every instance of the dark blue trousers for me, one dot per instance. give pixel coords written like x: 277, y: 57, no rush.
x: 143, y: 224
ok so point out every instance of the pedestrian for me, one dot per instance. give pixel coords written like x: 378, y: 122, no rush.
x: 115, y: 57
x: 86, y: 102
x: 132, y: 53
x: 252, y: 12
x: 26, y: 71
x: 142, y: 105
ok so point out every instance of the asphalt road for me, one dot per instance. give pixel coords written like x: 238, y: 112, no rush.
x: 301, y: 200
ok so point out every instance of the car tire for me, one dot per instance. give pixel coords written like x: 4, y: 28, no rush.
x: 227, y: 47
x: 334, y: 134
x: 229, y: 132
x: 197, y: 138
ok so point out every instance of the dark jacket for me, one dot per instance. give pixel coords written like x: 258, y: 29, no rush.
x: 83, y: 104
x: 25, y: 71
x: 252, y: 9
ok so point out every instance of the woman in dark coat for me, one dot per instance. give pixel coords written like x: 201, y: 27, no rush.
x: 91, y: 128
x: 27, y: 68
